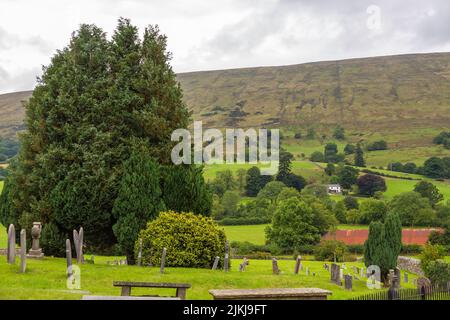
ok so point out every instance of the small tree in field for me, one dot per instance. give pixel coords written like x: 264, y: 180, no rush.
x: 368, y: 184
x: 359, y: 156
x: 430, y: 191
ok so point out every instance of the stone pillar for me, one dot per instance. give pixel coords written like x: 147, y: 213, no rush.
x: 69, y: 257
x: 23, y: 251
x: 11, y: 251
x: 163, y: 260
x: 298, y: 261
x: 226, y: 262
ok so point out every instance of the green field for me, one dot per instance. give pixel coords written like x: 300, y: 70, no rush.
x: 254, y: 234
x: 46, y: 279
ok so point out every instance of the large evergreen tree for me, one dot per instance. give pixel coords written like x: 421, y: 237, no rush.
x: 138, y: 201
x: 359, y: 156
x: 94, y: 101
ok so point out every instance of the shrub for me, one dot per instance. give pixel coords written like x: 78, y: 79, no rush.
x: 438, y: 272
x: 317, y: 156
x: 330, y: 250
x: 191, y: 240
x: 429, y: 254
x: 377, y: 145
x: 52, y: 241
x: 368, y: 184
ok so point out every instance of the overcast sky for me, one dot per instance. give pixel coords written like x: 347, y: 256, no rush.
x: 207, y: 34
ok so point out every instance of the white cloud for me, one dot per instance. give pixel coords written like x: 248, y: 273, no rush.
x: 206, y: 35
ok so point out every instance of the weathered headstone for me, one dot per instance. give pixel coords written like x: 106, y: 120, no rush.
x: 163, y: 260
x: 243, y: 265
x: 348, y: 282
x: 405, y: 277
x: 361, y: 273
x: 216, y: 263
x: 35, y: 251
x: 11, y: 250
x: 69, y: 258
x: 78, y: 238
x: 275, y: 269
x: 226, y: 263
x: 298, y: 262
x: 307, y: 271
x: 341, y: 275
x: 23, y: 250
x: 397, y: 277
x: 139, y: 260
x: 335, y: 274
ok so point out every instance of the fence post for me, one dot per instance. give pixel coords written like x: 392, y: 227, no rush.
x: 422, y: 293
x: 392, y: 293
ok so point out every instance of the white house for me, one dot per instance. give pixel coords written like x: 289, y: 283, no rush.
x: 334, y: 189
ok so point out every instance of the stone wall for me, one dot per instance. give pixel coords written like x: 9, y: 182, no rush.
x: 411, y: 265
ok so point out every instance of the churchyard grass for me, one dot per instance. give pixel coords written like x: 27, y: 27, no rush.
x: 46, y: 279
x: 252, y: 233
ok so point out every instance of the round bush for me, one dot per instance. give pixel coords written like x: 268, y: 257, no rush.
x: 191, y: 240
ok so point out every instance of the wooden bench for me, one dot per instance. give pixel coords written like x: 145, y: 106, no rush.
x: 89, y: 297
x: 271, y: 294
x: 126, y: 287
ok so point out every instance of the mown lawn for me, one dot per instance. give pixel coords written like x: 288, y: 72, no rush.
x: 46, y: 279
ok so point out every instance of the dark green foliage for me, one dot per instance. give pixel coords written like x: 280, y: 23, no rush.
x: 8, y: 149
x: 311, y: 133
x: 53, y: 240
x: 317, y: 156
x: 443, y: 138
x: 359, y: 157
x: 379, y: 251
x: 410, y: 167
x: 94, y: 101
x: 438, y: 272
x: 349, y: 149
x: 435, y: 167
x: 138, y: 200
x: 298, y: 135
x: 285, y: 166
x: 331, y: 153
x: 429, y: 191
x: 293, y: 225
x: 185, y: 190
x: 377, y: 145
x: 413, y: 209
x: 351, y: 202
x: 339, y: 133
x: 340, y: 212
x: 372, y: 210
x: 393, y: 233
x: 368, y: 184
x: 396, y: 166
x: 347, y: 176
x: 191, y: 241
x: 330, y: 169
x: 224, y: 181
x: 295, y: 181
x: 255, y: 181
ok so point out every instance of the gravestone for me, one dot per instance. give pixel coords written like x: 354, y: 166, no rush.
x: 163, y: 260
x: 298, y: 261
x: 275, y: 269
x: 341, y: 275
x: 243, y: 265
x: 226, y: 262
x: 355, y: 269
x: 361, y: 273
x: 307, y: 271
x: 35, y: 251
x: 69, y: 258
x: 343, y: 266
x: 23, y: 251
x: 398, y: 276
x: 139, y: 262
x: 326, y: 267
x: 216, y: 263
x: 11, y: 250
x: 78, y: 238
x: 405, y: 277
x: 336, y: 274
x: 348, y: 282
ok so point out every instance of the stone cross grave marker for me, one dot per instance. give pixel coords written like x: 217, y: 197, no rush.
x: 23, y: 250
x: 275, y: 269
x: 139, y: 262
x: 216, y: 263
x: 11, y: 250
x: 348, y: 282
x: 69, y: 258
x: 163, y: 260
x: 298, y: 261
x: 78, y: 238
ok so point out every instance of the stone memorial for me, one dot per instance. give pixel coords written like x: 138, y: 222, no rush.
x: 23, y: 251
x: 226, y: 262
x: 348, y: 282
x: 35, y: 251
x: 78, y: 238
x: 298, y: 261
x: 69, y: 258
x: 336, y: 274
x: 405, y: 277
x: 139, y: 260
x: 11, y: 248
x: 216, y: 263
x: 307, y: 271
x: 275, y: 269
x: 361, y: 273
x: 163, y: 260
